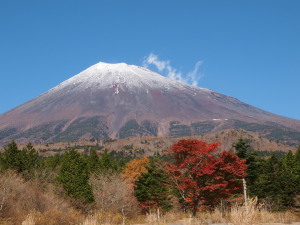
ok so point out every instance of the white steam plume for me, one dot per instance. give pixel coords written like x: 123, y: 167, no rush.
x: 195, y: 75
x: 192, y: 77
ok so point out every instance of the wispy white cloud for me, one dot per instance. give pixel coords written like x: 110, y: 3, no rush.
x: 164, y: 66
x: 195, y: 75
x: 153, y: 59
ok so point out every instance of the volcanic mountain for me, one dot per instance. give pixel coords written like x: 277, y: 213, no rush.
x: 118, y: 101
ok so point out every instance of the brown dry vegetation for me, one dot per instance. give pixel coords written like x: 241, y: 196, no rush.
x: 236, y: 215
x: 20, y: 198
x: 156, y: 144
x: 38, y: 202
x: 114, y: 194
x: 30, y: 203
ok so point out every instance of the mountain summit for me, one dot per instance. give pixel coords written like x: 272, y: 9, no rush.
x: 119, y: 100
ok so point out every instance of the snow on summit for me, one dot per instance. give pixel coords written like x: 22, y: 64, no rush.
x: 121, y: 75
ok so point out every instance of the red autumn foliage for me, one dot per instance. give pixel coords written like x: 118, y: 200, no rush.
x: 203, y: 177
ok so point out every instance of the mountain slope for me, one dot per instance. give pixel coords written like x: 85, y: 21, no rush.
x: 120, y: 100
x: 140, y: 146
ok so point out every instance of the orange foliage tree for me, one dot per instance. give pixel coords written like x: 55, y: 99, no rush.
x: 135, y: 168
x: 203, y: 177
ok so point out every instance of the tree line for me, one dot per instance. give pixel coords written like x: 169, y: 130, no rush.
x: 191, y: 172
x: 275, y: 180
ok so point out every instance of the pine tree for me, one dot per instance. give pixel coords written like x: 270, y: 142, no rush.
x: 290, y: 179
x: 107, y: 163
x: 74, y: 177
x: 151, y: 190
x: 93, y: 161
x: 254, y: 169
x: 29, y: 160
x: 243, y: 151
x: 11, y: 157
x: 270, y: 182
x: 241, y: 148
x: 297, y: 168
x: 23, y: 162
x: 53, y: 161
x: 297, y: 163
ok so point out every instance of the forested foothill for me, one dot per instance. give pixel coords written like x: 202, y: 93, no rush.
x: 190, y: 177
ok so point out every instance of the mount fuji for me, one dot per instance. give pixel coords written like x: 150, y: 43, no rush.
x: 119, y: 101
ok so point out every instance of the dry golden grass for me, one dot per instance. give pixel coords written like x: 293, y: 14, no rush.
x: 103, y: 218
x: 253, y: 215
x: 30, y: 219
x: 236, y: 216
x: 257, y: 214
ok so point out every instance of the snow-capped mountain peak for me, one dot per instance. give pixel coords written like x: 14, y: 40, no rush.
x: 121, y: 100
x: 121, y: 75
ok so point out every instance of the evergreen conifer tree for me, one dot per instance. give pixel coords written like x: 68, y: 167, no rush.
x: 290, y: 179
x: 107, y: 163
x: 74, y: 177
x: 53, y: 161
x: 241, y: 148
x: 11, y: 157
x: 151, y: 190
x: 243, y: 151
x: 93, y: 161
x: 270, y: 182
x: 297, y: 163
x: 23, y: 162
x: 30, y: 161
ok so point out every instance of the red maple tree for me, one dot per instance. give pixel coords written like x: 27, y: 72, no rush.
x: 203, y: 177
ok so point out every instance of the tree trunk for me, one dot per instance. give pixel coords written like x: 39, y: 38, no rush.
x: 245, y: 194
x: 195, y: 207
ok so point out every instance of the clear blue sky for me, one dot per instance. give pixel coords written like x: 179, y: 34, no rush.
x: 248, y: 49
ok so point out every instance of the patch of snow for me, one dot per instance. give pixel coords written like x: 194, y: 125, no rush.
x: 117, y: 90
